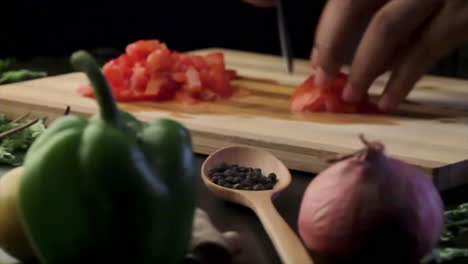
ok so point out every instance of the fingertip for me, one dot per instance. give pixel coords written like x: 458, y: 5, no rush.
x: 323, y: 79
x: 350, y: 95
x: 314, y: 58
x: 387, y: 103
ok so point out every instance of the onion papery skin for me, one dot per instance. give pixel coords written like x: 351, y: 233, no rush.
x: 371, y: 207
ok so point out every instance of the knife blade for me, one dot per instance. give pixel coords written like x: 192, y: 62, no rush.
x: 285, y: 40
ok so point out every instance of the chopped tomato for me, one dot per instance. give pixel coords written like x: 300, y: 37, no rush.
x: 179, y: 77
x: 160, y: 86
x: 140, y: 49
x: 219, y: 83
x: 308, y: 97
x: 148, y: 70
x: 216, y: 60
x: 159, y: 60
x: 139, y: 78
x: 132, y: 95
x: 231, y: 74
x: 115, y: 74
x: 184, y: 98
x: 207, y: 95
x: 199, y: 62
x: 86, y: 90
x: 193, y: 84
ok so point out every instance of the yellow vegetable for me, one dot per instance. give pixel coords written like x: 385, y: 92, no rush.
x: 13, y: 240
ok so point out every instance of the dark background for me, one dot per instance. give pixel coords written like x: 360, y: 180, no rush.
x: 54, y: 29
x: 59, y: 27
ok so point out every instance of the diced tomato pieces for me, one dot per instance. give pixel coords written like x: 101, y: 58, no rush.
x: 199, y: 62
x: 115, y: 74
x: 179, y: 77
x: 308, y: 97
x: 140, y: 49
x: 207, y: 95
x: 220, y: 84
x: 160, y: 86
x: 231, y: 74
x: 184, y: 98
x: 132, y: 95
x: 193, y: 84
x: 159, y: 60
x: 86, y: 90
x: 124, y: 61
x: 148, y: 70
x: 139, y: 77
x: 216, y: 60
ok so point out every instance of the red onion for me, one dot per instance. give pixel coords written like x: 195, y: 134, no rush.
x: 369, y: 205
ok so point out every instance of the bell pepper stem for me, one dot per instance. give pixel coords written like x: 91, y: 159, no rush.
x: 83, y: 61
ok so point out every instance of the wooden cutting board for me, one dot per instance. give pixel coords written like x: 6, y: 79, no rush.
x: 429, y: 131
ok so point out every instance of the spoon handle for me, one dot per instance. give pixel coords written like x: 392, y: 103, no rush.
x: 287, y: 244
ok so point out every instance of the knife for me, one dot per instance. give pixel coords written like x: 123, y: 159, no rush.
x: 285, y: 40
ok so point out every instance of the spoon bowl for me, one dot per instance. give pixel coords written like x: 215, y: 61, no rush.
x: 247, y: 157
x: 289, y: 247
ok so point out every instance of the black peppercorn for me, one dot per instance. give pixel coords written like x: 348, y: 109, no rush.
x: 241, y: 178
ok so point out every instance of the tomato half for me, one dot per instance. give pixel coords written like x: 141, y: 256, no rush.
x: 308, y: 97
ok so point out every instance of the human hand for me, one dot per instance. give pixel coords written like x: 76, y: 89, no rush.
x: 405, y: 37
x: 260, y: 3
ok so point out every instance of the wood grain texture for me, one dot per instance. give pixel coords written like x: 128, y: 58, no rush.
x: 430, y: 130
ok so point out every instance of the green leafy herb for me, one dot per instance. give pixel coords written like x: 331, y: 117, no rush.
x: 441, y: 255
x: 456, y: 226
x: 21, y: 75
x: 8, y: 75
x: 16, y: 136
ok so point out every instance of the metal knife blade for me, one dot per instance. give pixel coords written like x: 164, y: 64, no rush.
x: 285, y: 40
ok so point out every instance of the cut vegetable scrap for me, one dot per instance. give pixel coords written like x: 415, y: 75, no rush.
x: 309, y: 97
x: 148, y: 70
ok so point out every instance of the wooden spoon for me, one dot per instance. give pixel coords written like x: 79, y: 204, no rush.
x: 289, y: 247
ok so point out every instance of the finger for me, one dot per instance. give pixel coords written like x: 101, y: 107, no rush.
x: 444, y: 33
x: 339, y: 30
x: 386, y: 35
x: 260, y: 3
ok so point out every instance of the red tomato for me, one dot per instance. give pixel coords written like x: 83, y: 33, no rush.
x: 150, y: 71
x: 207, y: 95
x: 199, y: 62
x: 216, y: 60
x: 115, y: 74
x: 159, y: 60
x: 124, y: 61
x: 232, y: 74
x: 139, y: 78
x: 219, y: 83
x: 310, y: 98
x: 193, y: 82
x: 184, y: 98
x: 307, y: 97
x: 160, y: 87
x: 140, y: 49
x: 86, y: 90
x: 123, y: 95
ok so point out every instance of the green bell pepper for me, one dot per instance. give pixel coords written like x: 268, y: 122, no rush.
x: 111, y: 189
